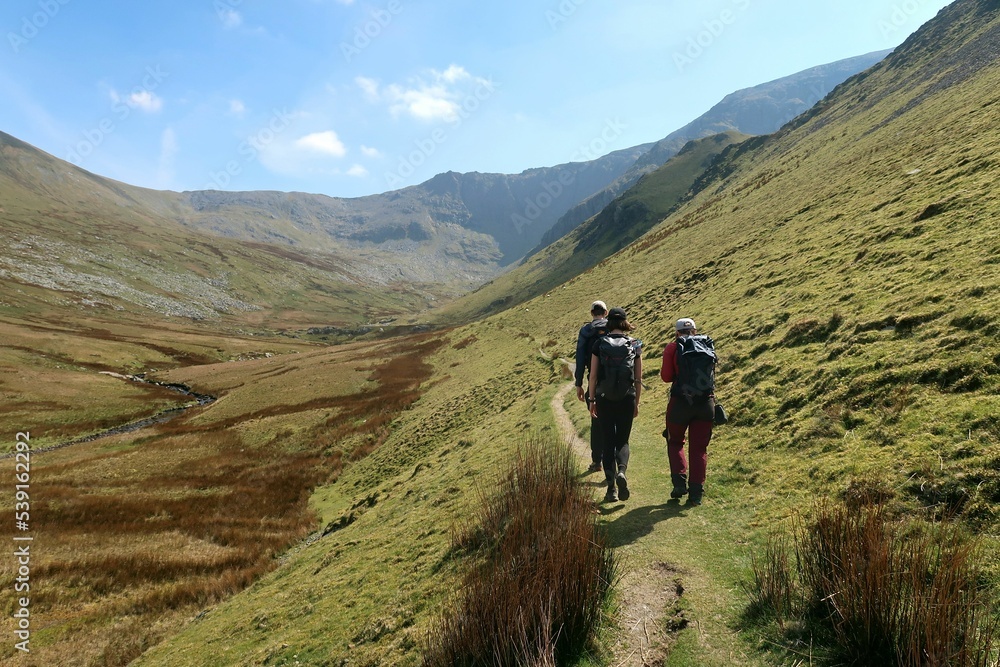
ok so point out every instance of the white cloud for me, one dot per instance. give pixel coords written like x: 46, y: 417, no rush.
x: 144, y: 100
x: 288, y: 158
x: 323, y: 142
x: 358, y: 171
x: 455, y: 73
x: 431, y: 103
x: 367, y: 151
x: 231, y: 19
x: 435, y: 96
x: 369, y: 87
x: 237, y: 108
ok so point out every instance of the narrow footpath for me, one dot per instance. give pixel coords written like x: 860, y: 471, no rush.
x: 644, y: 595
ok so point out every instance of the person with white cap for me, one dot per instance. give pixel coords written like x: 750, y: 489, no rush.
x: 689, y: 365
x: 590, y: 332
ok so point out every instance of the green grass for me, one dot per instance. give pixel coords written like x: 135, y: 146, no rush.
x: 152, y: 527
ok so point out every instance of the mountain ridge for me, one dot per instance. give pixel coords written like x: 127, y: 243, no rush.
x: 512, y: 209
x: 760, y: 109
x: 430, y: 241
x: 625, y: 219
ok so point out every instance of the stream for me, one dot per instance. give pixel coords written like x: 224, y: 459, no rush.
x: 159, y: 418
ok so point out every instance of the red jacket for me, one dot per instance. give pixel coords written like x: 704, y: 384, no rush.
x: 668, y: 371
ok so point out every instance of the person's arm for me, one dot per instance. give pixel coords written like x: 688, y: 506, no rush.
x: 581, y: 361
x: 667, y: 369
x: 595, y: 362
x: 638, y: 379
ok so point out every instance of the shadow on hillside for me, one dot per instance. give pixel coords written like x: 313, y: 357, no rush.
x: 592, y: 481
x: 638, y: 522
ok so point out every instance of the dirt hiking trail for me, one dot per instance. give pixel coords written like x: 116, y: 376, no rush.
x: 644, y: 593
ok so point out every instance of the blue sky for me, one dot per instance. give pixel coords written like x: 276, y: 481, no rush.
x: 351, y: 97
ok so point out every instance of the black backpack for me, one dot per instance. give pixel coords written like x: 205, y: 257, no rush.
x: 589, y: 333
x: 594, y: 330
x: 616, y: 373
x: 696, y: 361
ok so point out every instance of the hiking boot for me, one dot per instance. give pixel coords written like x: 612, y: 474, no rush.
x: 623, y: 492
x: 595, y: 467
x: 612, y: 495
x: 680, y: 486
x: 694, y: 498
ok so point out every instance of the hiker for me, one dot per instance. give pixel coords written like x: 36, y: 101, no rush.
x: 614, y: 389
x: 584, y: 346
x: 689, y: 364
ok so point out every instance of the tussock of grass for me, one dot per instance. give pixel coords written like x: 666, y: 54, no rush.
x: 876, y: 590
x: 537, y: 594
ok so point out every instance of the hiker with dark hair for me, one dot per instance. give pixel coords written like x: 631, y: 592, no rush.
x: 614, y: 390
x: 689, y: 364
x: 590, y: 331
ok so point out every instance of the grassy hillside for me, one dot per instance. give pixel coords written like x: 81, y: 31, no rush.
x: 79, y: 243
x: 625, y: 219
x: 846, y: 268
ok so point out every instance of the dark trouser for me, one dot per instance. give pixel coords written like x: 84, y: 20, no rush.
x: 682, y: 418
x: 615, y: 419
x: 596, y: 439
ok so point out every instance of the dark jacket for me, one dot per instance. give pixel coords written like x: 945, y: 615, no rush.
x: 584, y: 346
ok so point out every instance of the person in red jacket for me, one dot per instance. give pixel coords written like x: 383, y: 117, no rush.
x: 683, y: 417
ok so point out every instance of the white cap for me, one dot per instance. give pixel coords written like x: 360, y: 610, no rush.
x: 685, y: 323
x: 598, y: 305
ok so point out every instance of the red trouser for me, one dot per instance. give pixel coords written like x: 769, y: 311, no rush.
x: 700, y: 434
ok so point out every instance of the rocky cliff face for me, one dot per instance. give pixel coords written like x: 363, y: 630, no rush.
x: 494, y: 218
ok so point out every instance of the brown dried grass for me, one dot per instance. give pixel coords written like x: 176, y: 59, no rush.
x: 159, y: 525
